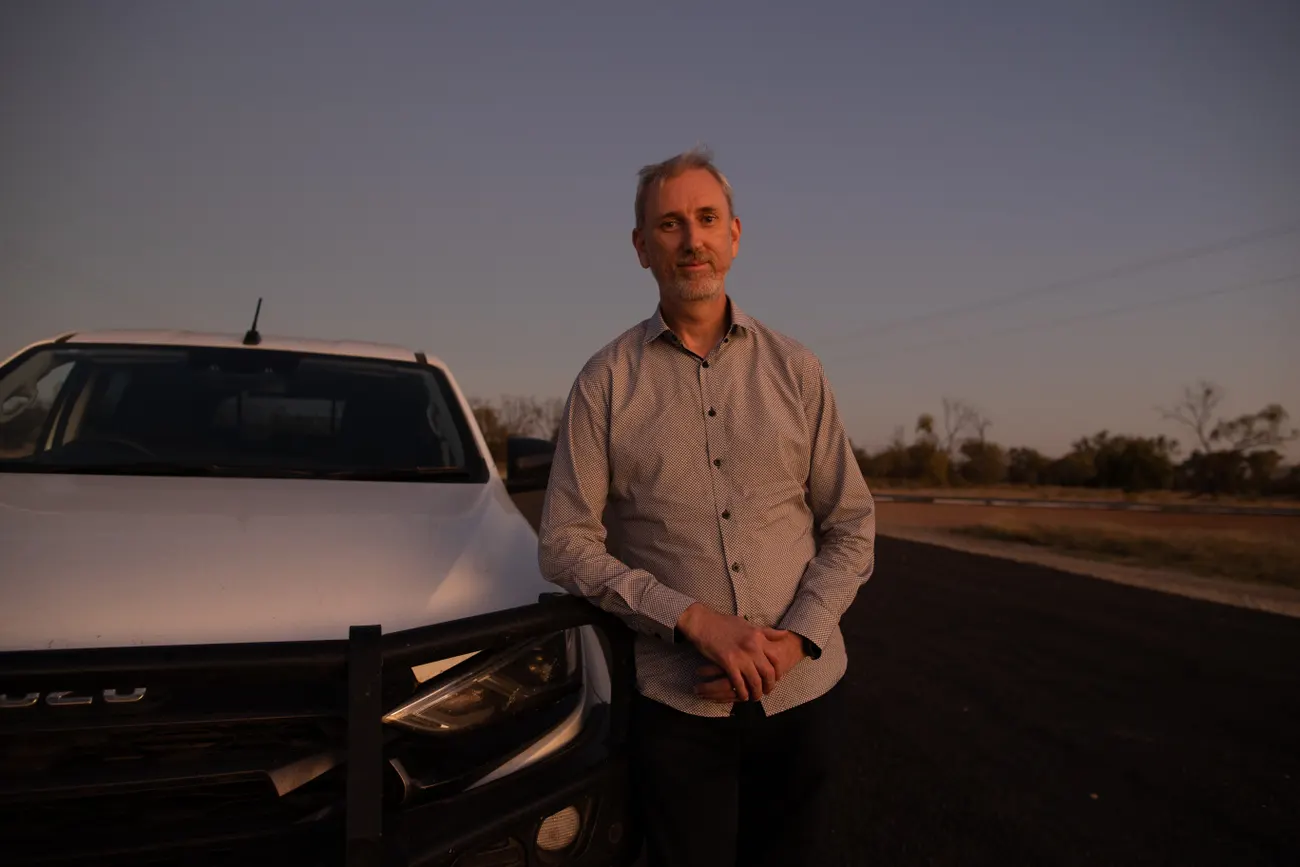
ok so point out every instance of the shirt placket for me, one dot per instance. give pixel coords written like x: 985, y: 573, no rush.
x: 712, y: 390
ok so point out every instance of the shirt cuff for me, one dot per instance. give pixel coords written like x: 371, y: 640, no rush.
x: 661, y: 608
x: 810, y: 621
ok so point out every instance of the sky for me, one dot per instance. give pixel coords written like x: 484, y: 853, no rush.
x: 1060, y: 212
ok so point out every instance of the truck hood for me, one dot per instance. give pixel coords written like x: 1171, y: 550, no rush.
x: 111, y: 561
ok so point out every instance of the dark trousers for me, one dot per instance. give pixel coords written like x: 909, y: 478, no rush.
x: 746, y: 790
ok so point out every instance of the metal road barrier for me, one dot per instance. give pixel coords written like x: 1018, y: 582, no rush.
x: 1095, y: 505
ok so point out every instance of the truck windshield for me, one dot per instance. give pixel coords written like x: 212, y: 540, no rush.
x: 162, y: 410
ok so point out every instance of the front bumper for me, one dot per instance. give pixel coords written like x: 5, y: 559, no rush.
x: 139, y: 810
x: 497, y: 826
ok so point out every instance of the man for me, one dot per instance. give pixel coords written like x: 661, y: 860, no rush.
x: 703, y: 489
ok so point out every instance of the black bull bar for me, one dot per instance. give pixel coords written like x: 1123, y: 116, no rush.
x: 361, y: 661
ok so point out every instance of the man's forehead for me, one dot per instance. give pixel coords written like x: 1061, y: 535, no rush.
x: 696, y: 189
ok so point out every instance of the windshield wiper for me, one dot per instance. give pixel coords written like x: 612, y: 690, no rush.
x: 165, y: 468
x: 401, y: 474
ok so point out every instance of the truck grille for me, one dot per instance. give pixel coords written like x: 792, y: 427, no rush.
x: 45, y: 753
x: 200, y: 759
x: 62, y: 790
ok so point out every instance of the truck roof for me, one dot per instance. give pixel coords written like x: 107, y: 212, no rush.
x: 164, y: 337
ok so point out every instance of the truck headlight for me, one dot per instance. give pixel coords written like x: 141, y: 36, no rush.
x: 524, y: 676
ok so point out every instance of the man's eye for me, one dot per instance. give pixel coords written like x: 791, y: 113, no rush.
x: 709, y: 218
x: 668, y: 224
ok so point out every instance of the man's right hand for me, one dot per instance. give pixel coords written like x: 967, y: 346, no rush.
x: 735, y: 645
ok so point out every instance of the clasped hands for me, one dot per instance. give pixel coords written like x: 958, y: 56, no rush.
x: 747, y: 660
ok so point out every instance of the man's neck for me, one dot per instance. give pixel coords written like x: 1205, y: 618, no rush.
x: 699, y: 324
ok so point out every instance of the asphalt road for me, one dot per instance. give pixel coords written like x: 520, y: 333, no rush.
x: 1006, y: 714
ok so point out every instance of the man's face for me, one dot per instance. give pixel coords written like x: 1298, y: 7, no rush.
x: 689, y: 238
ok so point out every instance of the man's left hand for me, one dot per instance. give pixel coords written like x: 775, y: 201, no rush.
x: 785, y: 651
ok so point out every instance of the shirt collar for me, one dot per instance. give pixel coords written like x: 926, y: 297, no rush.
x: 656, y: 327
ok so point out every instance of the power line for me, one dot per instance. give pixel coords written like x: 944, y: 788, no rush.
x: 1112, y: 273
x: 1084, y: 317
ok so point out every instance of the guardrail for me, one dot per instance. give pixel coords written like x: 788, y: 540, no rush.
x: 1095, y: 505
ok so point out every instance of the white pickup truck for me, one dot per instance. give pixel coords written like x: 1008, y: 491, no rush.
x: 270, y: 601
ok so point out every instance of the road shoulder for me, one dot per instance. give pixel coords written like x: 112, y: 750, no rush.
x: 1258, y: 597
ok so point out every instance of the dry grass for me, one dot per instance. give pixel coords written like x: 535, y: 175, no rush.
x: 1220, y: 554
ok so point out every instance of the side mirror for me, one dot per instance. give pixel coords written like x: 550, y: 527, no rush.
x: 528, y: 463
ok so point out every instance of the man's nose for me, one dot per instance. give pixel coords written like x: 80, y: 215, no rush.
x: 690, y: 235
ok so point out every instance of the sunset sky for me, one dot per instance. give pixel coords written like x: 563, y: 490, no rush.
x: 1062, y: 212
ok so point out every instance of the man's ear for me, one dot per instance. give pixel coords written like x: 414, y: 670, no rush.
x: 735, y: 236
x: 638, y: 242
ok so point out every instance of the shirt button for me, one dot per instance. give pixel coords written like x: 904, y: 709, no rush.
x: 735, y: 567
x: 712, y: 412
x: 717, y: 462
x: 726, y: 516
x: 706, y: 364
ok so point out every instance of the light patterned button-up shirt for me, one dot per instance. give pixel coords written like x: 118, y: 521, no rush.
x: 726, y: 480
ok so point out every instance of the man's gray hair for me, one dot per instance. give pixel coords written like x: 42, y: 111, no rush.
x: 698, y: 157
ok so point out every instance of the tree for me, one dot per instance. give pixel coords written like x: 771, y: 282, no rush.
x: 1078, y: 467
x: 1027, y: 466
x: 1263, y: 471
x: 1196, y: 410
x: 522, y: 416
x: 1234, y: 454
x: 961, y: 418
x: 1135, y: 463
x: 1263, y: 429
x: 552, y: 414
x: 1228, y: 472
x: 494, y: 430
x: 956, y: 421
x: 1286, y: 484
x: 925, y: 426
x: 1213, y: 473
x: 890, y: 462
x: 514, y: 415
x: 922, y: 461
x: 985, y: 463
x: 1130, y: 463
x: 927, y: 463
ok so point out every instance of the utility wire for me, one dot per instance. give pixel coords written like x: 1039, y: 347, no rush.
x: 1083, y: 317
x: 1112, y: 273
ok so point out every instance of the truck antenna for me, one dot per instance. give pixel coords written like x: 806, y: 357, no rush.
x: 251, y: 337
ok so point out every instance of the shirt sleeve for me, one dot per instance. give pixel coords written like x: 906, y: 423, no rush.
x: 572, y: 549
x: 844, y: 518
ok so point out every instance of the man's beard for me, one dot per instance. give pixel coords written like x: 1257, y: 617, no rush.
x: 697, y: 288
